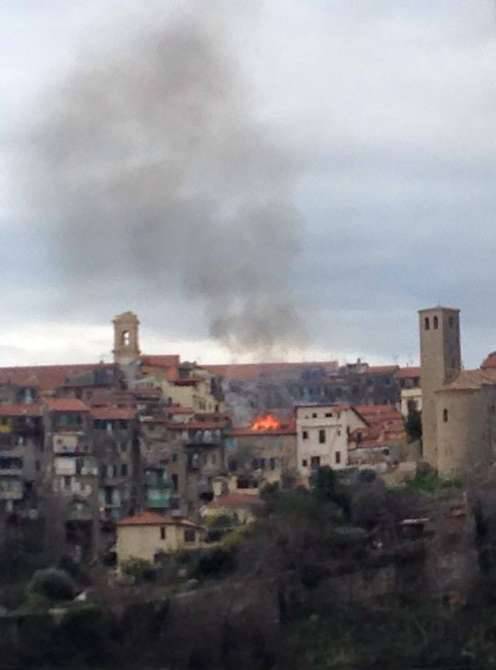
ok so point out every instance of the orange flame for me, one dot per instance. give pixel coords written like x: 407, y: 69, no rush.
x: 267, y: 422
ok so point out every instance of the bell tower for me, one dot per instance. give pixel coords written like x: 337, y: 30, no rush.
x: 440, y: 361
x: 126, y: 338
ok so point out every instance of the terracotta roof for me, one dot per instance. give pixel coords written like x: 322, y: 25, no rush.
x: 168, y: 361
x: 381, y: 369
x: 21, y: 410
x: 66, y: 405
x: 408, y: 373
x: 186, y: 382
x: 246, y: 432
x: 385, y: 426
x: 489, y: 362
x: 236, y: 500
x: 254, y: 371
x: 154, y: 519
x: 113, y: 413
x: 45, y: 377
x: 470, y: 380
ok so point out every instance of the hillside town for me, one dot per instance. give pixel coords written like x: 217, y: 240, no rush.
x: 95, y: 448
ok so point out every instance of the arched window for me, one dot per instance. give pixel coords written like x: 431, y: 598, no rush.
x: 427, y: 323
x: 436, y: 323
x: 126, y: 338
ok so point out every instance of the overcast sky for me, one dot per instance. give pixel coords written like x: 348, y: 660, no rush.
x: 385, y: 114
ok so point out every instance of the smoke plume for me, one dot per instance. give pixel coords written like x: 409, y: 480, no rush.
x: 151, y: 167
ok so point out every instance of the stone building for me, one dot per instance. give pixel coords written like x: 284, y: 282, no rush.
x: 262, y: 453
x: 459, y: 406
x: 323, y: 433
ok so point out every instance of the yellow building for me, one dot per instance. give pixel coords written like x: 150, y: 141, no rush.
x: 149, y: 534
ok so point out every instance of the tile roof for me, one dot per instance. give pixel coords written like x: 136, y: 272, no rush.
x: 21, y: 410
x: 470, y: 380
x: 408, y: 373
x: 186, y: 382
x: 66, y: 405
x: 489, y: 362
x: 169, y: 361
x: 385, y: 426
x: 245, y: 431
x: 45, y: 377
x: 381, y: 369
x: 154, y: 519
x: 113, y: 413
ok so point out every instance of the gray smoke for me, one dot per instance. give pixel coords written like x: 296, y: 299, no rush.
x: 151, y: 168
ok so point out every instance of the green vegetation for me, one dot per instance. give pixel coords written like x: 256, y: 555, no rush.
x: 140, y: 570
x: 52, y: 584
x: 430, y: 482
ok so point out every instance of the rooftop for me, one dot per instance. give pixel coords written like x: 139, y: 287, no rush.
x: 154, y: 519
x: 66, y: 405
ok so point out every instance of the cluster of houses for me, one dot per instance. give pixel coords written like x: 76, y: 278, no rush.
x: 147, y: 449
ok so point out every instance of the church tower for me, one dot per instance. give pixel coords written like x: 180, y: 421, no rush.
x: 126, y: 338
x: 440, y: 361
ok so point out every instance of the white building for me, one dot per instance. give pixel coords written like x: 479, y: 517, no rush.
x: 411, y: 392
x: 322, y: 433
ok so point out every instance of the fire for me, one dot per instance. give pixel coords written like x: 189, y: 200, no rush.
x: 267, y: 422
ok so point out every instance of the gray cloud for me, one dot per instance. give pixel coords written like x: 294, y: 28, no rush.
x: 387, y: 116
x: 152, y: 170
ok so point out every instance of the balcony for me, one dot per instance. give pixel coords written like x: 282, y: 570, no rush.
x: 70, y: 443
x: 11, y: 467
x: 11, y: 490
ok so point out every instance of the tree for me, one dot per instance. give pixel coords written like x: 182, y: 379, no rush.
x: 413, y: 424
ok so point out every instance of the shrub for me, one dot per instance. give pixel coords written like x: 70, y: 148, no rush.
x: 140, y: 570
x: 52, y: 584
x: 215, y: 562
x: 221, y: 521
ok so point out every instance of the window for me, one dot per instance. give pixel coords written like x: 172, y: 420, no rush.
x: 189, y: 535
x: 315, y: 461
x: 337, y: 457
x: 339, y: 433
x: 174, y: 458
x: 451, y: 322
x: 67, y: 482
x: 162, y: 533
x: 314, y: 415
x: 126, y: 338
x: 304, y: 435
x: 175, y: 482
x: 272, y: 463
x: 304, y: 463
x: 328, y: 414
x: 427, y: 323
x: 436, y: 323
x: 322, y: 436
x: 124, y: 470
x: 445, y: 415
x: 123, y: 446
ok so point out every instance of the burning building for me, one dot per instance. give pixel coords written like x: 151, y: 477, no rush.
x: 263, y: 452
